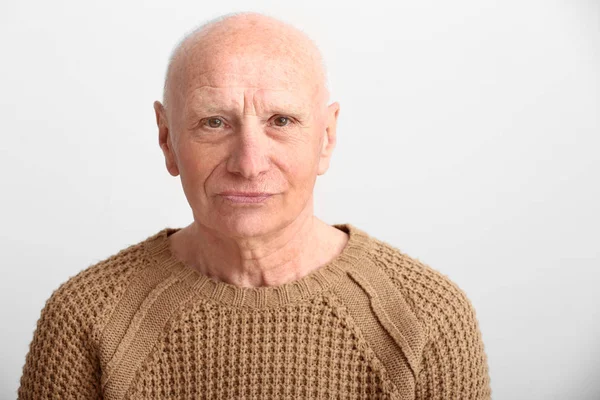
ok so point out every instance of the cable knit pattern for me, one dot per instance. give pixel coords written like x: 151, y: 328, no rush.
x: 454, y: 364
x: 373, y: 323
x: 62, y: 362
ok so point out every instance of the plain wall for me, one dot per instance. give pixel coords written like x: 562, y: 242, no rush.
x: 468, y: 137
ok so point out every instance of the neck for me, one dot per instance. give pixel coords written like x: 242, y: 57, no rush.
x: 268, y: 260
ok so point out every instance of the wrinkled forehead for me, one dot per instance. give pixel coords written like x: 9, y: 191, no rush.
x: 225, y: 76
x: 250, y: 100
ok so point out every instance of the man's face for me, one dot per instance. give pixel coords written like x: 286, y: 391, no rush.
x: 248, y: 123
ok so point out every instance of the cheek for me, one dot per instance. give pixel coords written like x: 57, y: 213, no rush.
x: 196, y: 163
x: 299, y: 165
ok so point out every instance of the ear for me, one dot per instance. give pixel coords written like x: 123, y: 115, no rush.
x: 330, y: 137
x: 164, y: 138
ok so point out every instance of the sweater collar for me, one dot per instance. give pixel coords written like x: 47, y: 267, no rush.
x: 359, y: 244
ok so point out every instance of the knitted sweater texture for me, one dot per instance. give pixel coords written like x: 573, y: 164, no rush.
x: 373, y: 323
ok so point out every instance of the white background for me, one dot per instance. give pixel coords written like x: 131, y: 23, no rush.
x: 468, y: 138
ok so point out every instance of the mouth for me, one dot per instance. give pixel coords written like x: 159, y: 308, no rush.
x: 245, y: 197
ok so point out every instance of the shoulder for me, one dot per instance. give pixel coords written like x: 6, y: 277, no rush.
x: 436, y: 300
x: 67, y: 332
x: 86, y: 297
x: 454, y: 363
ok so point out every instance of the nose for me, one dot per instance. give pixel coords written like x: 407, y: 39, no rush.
x: 249, y: 154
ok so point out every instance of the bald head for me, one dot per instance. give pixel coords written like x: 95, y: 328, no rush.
x: 232, y: 36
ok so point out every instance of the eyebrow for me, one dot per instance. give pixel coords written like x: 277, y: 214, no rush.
x: 275, y: 109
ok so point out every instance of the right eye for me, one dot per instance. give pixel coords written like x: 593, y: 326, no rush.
x: 214, y: 122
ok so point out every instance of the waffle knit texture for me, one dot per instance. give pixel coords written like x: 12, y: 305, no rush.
x: 373, y: 323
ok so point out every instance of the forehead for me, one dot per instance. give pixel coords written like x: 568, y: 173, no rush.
x: 226, y: 75
x: 216, y: 98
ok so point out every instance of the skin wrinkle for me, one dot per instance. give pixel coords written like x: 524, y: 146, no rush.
x: 195, y: 105
x: 247, y: 70
x: 303, y: 44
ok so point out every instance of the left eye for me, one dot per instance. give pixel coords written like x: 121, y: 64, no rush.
x: 282, y: 121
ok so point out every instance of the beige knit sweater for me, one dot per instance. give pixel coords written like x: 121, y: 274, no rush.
x: 372, y: 324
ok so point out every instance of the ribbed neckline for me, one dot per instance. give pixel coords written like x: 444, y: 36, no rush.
x: 359, y: 243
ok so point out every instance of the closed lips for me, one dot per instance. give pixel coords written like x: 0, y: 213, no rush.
x: 245, y: 194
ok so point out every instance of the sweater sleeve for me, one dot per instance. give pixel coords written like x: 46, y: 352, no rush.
x: 454, y: 363
x: 61, y: 362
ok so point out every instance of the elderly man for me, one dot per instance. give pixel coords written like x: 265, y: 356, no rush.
x: 256, y: 298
